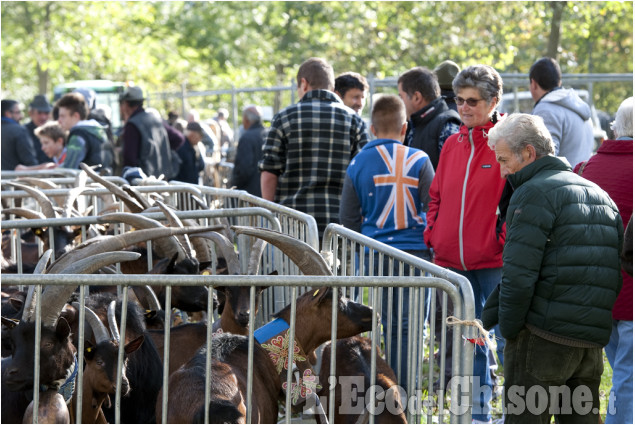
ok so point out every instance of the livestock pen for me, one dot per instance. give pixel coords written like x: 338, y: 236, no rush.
x: 346, y: 251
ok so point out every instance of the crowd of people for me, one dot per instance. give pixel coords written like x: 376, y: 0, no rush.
x: 518, y: 204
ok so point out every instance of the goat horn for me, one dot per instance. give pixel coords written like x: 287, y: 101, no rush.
x: 118, y: 242
x: 199, y: 202
x: 29, y: 304
x: 72, y: 196
x: 256, y: 254
x: 97, y: 261
x: 226, y: 248
x: 165, y: 247
x: 130, y: 202
x: 176, y: 222
x: 39, y: 196
x: 81, y: 179
x: 29, y: 301
x: 146, y: 295
x: 112, y: 321
x: 308, y: 260
x: 24, y: 212
x: 136, y: 195
x: 108, y: 270
x: 96, y: 325
x: 38, y: 182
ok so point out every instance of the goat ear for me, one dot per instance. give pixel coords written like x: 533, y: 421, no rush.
x: 134, y: 345
x: 322, y: 294
x: 89, y: 350
x: 62, y: 329
x: 16, y: 303
x: 172, y: 264
x: 10, y: 323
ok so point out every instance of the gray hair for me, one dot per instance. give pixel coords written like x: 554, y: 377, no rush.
x: 484, y: 78
x: 521, y: 130
x: 252, y: 113
x: 623, y: 124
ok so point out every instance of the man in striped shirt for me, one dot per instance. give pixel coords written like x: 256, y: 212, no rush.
x: 309, y: 147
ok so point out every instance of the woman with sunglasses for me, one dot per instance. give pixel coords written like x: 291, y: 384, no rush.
x: 465, y: 229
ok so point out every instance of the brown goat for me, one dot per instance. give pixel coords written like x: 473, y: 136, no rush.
x: 313, y: 329
x: 353, y: 360
x: 185, y: 341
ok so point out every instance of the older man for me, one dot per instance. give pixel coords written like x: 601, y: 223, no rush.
x: 17, y: 146
x: 39, y: 112
x: 561, y: 276
x: 145, y: 140
x: 246, y: 175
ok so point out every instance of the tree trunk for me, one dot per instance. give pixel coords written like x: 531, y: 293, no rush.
x: 556, y: 22
x: 42, y: 79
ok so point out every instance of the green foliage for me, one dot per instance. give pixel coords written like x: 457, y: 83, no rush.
x: 216, y: 44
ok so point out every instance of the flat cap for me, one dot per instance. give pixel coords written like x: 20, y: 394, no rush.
x: 445, y: 72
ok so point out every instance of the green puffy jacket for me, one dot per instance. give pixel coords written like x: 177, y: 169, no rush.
x: 561, y: 261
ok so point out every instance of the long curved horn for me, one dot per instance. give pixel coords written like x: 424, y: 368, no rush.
x: 308, y: 260
x: 118, y: 242
x: 30, y: 302
x: 201, y: 203
x: 226, y: 248
x: 134, y: 193
x: 130, y: 202
x: 254, y: 257
x: 96, y: 325
x: 165, y: 247
x: 38, y: 182
x: 112, y: 321
x: 24, y: 212
x: 97, y: 261
x: 39, y: 196
x: 176, y: 222
x: 146, y: 295
x: 71, y: 197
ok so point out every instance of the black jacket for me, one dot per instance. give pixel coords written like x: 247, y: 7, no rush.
x: 246, y: 175
x: 17, y: 146
x: 427, y: 124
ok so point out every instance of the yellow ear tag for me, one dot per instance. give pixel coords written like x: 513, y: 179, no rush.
x: 205, y: 273
x: 89, y: 349
x: 316, y: 292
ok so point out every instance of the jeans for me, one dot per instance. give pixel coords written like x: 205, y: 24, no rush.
x: 483, y: 283
x: 619, y: 353
x: 545, y: 379
x: 401, y: 372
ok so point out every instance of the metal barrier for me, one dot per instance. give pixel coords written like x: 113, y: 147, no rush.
x: 346, y: 250
x: 293, y: 282
x: 354, y: 254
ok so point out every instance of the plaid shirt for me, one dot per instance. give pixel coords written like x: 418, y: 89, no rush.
x: 309, y: 147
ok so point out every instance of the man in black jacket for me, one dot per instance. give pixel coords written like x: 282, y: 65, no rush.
x: 246, y: 175
x: 430, y: 122
x: 561, y: 277
x: 145, y: 141
x: 17, y: 146
x: 39, y: 112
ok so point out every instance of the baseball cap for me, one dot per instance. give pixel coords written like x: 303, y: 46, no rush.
x: 132, y: 93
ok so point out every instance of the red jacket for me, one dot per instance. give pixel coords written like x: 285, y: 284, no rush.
x: 463, y: 210
x: 611, y: 168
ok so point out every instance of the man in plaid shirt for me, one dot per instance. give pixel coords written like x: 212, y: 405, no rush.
x: 309, y: 146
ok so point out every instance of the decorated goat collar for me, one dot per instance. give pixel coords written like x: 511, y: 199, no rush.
x: 274, y: 337
x: 65, y: 386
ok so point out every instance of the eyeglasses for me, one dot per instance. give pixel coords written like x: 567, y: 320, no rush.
x: 470, y: 102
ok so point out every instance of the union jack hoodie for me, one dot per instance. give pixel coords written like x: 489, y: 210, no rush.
x: 386, y: 193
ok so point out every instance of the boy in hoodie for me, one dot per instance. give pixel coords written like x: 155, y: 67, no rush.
x: 86, y: 137
x: 566, y: 116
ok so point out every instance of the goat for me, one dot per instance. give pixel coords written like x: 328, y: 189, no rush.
x: 100, y: 372
x: 231, y: 351
x: 185, y: 340
x: 354, y: 360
